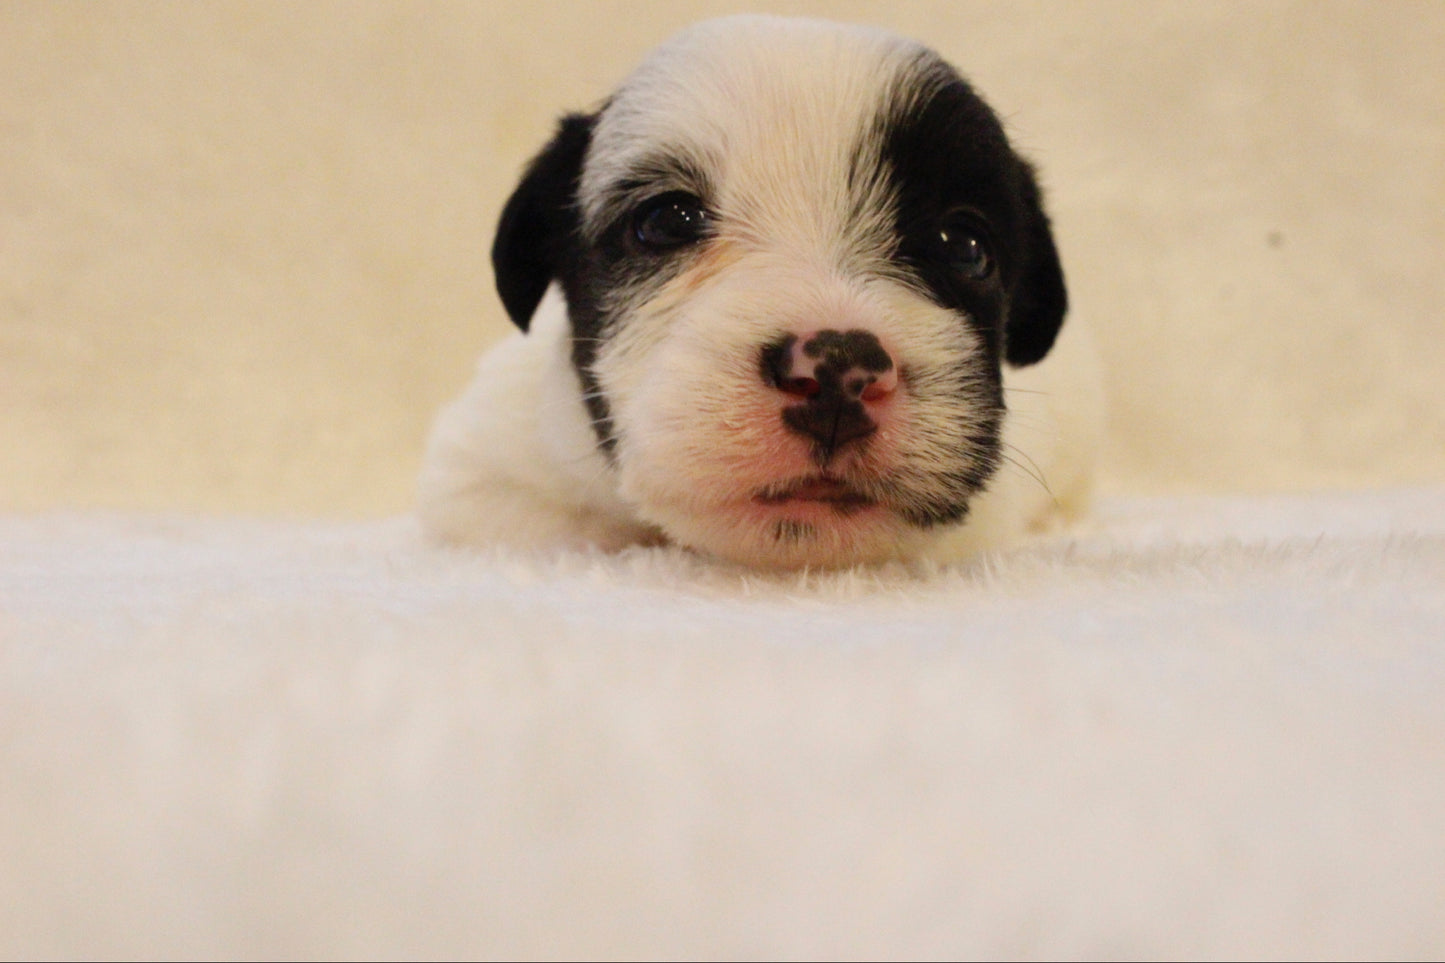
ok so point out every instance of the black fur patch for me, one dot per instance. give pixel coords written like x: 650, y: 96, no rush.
x: 539, y: 241
x: 535, y: 234
x: 950, y: 154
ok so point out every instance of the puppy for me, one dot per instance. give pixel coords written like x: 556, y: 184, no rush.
x: 782, y: 299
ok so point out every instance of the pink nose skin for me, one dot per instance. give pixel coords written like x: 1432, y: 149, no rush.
x: 856, y: 360
x: 837, y: 378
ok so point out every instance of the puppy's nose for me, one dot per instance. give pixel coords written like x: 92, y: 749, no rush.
x: 835, y: 377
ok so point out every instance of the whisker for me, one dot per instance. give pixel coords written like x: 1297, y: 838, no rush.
x: 1020, y: 459
x: 1031, y: 421
x: 557, y: 403
x: 589, y: 483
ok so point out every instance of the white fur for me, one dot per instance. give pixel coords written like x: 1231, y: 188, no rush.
x: 515, y: 460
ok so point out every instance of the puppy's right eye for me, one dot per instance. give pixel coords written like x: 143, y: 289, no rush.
x: 670, y: 221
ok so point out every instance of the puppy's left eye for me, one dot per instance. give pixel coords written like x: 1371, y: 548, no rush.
x: 670, y: 221
x: 965, y: 245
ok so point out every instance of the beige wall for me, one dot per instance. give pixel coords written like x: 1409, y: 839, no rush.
x: 243, y: 246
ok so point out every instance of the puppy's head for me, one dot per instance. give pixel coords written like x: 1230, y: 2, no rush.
x: 794, y: 256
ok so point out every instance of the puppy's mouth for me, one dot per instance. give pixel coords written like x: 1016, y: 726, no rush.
x: 818, y: 489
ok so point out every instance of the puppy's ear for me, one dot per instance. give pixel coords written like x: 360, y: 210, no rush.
x: 1039, y: 299
x: 539, y: 220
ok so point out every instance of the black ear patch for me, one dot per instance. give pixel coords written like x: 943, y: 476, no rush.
x: 540, y: 220
x: 1038, y: 299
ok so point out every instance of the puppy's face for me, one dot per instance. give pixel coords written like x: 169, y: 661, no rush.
x: 794, y: 257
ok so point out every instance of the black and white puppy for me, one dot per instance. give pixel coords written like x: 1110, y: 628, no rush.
x: 784, y: 297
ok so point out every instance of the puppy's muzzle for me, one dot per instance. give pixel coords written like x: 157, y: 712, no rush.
x: 838, y: 380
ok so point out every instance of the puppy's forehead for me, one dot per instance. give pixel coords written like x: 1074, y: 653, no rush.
x: 756, y: 112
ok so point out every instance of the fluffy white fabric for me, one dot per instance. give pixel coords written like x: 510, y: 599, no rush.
x: 1208, y: 726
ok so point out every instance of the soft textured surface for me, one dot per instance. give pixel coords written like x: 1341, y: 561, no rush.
x: 1209, y: 726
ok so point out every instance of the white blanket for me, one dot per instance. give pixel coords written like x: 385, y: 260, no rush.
x: 1205, y: 727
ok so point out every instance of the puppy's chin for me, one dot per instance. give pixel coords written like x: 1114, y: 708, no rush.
x: 815, y: 525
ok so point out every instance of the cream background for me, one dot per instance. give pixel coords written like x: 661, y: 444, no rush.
x: 243, y: 246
